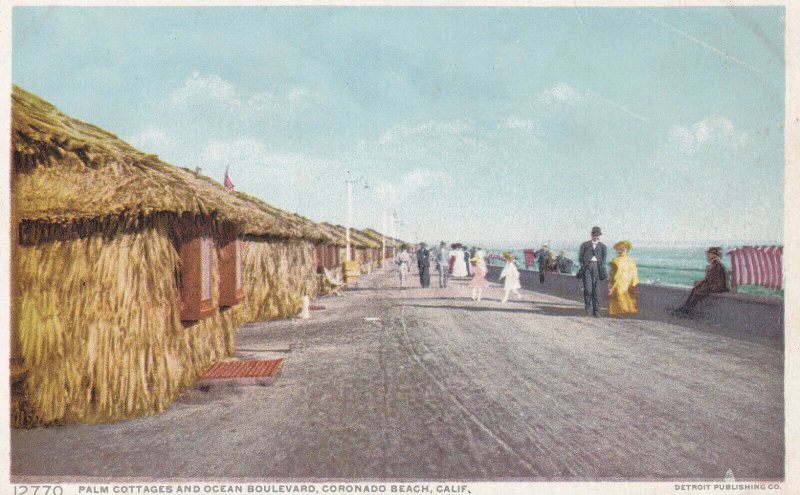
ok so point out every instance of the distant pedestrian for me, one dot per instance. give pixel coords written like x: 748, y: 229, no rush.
x: 511, y: 274
x: 442, y: 259
x: 563, y: 264
x: 478, y: 282
x: 458, y: 263
x: 592, y: 259
x: 481, y: 254
x: 403, y: 262
x: 623, y: 280
x: 424, y: 265
x: 715, y: 281
x: 551, y: 265
x: 541, y: 256
x: 466, y: 260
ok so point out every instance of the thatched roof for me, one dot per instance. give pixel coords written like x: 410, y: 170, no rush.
x: 301, y: 225
x: 357, y: 238
x: 379, y: 238
x: 66, y: 170
x: 337, y: 235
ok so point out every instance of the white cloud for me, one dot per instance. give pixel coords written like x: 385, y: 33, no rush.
x: 245, y: 152
x: 564, y: 93
x: 516, y: 123
x: 561, y: 92
x: 153, y: 140
x: 420, y: 178
x: 709, y: 133
x: 297, y: 94
x: 432, y: 129
x: 204, y: 87
x: 250, y: 158
x: 206, y: 90
x: 409, y: 185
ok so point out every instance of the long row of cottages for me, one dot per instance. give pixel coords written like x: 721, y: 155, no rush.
x: 130, y: 276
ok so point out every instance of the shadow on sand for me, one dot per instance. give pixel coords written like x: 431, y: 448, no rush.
x: 531, y: 308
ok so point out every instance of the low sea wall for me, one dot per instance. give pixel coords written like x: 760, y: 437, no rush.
x: 738, y: 312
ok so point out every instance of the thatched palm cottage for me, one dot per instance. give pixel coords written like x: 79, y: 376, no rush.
x: 337, y: 250
x: 381, y: 240
x: 270, y: 262
x: 391, y: 243
x: 360, y: 245
x: 368, y: 253
x: 130, y: 275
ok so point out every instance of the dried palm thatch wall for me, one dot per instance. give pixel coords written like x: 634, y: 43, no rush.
x: 277, y: 274
x: 99, y: 335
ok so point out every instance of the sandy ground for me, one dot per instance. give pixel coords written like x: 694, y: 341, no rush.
x: 426, y: 384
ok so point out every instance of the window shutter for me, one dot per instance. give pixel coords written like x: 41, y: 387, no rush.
x: 231, y: 290
x: 195, y: 278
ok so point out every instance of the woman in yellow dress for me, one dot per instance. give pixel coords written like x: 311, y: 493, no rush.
x: 622, y: 282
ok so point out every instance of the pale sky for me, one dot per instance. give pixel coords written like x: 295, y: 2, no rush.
x: 498, y: 126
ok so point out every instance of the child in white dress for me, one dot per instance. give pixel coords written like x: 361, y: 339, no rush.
x: 511, y: 274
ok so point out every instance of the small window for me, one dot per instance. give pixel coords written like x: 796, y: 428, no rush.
x: 195, y: 278
x: 231, y: 291
x: 319, y: 257
x: 331, y: 260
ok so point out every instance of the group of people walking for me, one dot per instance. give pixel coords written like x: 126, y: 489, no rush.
x: 622, y: 275
x: 457, y: 261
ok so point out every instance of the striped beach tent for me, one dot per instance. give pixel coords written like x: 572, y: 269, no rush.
x: 757, y: 265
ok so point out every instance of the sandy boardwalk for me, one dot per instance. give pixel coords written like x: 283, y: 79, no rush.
x: 426, y: 384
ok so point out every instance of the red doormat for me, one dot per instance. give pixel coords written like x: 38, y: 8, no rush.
x: 251, y: 372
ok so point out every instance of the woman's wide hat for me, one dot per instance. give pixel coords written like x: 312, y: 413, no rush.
x: 625, y: 244
x: 508, y: 256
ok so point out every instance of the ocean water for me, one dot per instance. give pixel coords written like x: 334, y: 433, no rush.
x: 673, y: 266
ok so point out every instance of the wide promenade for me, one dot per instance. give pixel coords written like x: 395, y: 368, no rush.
x: 390, y: 384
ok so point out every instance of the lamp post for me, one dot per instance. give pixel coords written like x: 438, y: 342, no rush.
x: 350, y: 182
x: 348, y: 254
x: 393, y: 232
x: 383, y: 241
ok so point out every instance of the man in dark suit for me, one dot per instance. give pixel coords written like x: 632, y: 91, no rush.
x: 592, y: 259
x: 424, y: 265
x: 541, y: 256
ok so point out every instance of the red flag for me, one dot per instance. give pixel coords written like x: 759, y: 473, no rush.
x: 227, y: 182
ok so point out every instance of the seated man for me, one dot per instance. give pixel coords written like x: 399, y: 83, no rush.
x: 716, y: 281
x: 563, y: 263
